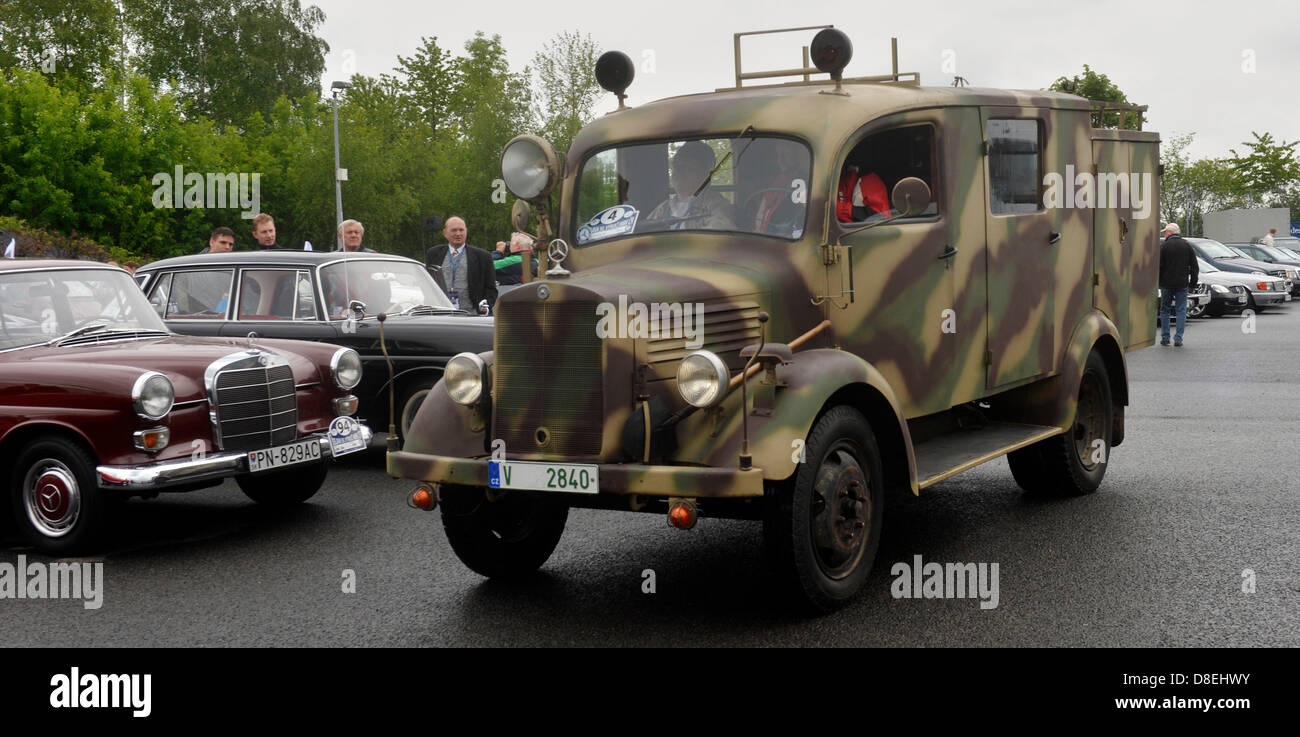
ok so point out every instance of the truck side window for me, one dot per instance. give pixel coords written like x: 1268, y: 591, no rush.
x: 876, y: 164
x: 1014, y: 166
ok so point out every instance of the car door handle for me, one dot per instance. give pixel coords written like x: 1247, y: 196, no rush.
x: 1052, y: 238
x: 948, y: 252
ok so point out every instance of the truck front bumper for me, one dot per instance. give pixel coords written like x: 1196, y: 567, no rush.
x: 615, y: 478
x: 180, y: 472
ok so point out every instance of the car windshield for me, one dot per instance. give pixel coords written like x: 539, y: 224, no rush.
x: 1215, y: 249
x: 750, y: 184
x: 383, y: 286
x: 1288, y: 243
x: 1205, y: 266
x: 1275, y: 253
x: 38, y: 306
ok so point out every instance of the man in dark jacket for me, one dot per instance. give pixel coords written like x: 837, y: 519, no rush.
x: 1178, y: 273
x: 464, y: 272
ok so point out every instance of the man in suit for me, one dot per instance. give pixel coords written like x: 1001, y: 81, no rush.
x: 464, y: 272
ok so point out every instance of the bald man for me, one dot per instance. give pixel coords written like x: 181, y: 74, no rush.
x: 464, y: 272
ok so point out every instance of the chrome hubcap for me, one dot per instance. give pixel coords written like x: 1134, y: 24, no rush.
x: 52, y: 498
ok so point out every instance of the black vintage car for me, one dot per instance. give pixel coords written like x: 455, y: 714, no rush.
x: 330, y: 297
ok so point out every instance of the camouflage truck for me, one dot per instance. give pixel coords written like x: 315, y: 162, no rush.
x: 724, y: 328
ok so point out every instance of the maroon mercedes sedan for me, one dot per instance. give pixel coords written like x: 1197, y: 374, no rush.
x: 99, y: 400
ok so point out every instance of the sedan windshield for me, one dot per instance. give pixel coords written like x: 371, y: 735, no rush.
x: 751, y: 184
x: 382, y: 286
x: 1206, y: 267
x: 39, y: 306
x: 1215, y: 249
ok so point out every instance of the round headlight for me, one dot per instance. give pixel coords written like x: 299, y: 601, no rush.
x: 464, y: 378
x: 152, y: 395
x: 346, y: 368
x: 529, y: 167
x: 702, y: 379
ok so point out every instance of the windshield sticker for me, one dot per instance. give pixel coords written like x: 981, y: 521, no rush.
x: 616, y: 220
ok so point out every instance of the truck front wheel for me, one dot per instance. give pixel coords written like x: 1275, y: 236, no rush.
x: 1074, y: 462
x: 823, y: 526
x: 510, y: 537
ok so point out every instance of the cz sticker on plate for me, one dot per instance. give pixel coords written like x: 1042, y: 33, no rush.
x: 569, y: 477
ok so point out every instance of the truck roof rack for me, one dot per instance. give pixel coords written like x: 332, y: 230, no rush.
x: 806, y: 71
x: 1100, y: 109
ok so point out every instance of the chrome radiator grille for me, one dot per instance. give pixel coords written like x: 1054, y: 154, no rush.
x: 255, y: 408
x: 547, y: 379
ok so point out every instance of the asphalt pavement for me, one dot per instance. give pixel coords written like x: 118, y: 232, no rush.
x: 1191, y: 541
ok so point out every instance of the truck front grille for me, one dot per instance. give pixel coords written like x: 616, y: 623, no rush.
x: 548, y: 395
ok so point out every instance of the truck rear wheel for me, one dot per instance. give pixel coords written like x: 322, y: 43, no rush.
x: 507, y: 538
x: 1074, y: 462
x: 823, y: 527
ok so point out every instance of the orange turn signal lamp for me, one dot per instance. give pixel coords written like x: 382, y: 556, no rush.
x: 152, y: 440
x: 424, y: 497
x: 682, y: 513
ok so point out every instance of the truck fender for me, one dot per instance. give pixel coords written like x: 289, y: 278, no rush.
x: 815, y: 381
x: 445, y: 427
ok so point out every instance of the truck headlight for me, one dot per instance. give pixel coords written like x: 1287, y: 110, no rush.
x: 345, y: 366
x: 152, y: 395
x: 702, y: 379
x: 465, y: 377
x: 529, y: 167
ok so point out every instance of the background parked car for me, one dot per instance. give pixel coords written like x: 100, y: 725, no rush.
x: 1278, y: 258
x: 1229, y: 291
x: 1229, y: 260
x: 98, y: 398
x: 308, y: 296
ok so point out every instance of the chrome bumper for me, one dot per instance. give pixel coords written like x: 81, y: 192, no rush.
x: 164, y: 474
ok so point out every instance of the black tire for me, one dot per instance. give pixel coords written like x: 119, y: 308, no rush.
x: 504, y: 539
x: 822, y: 561
x: 286, y: 487
x: 409, y: 403
x: 1072, y: 464
x: 56, y: 501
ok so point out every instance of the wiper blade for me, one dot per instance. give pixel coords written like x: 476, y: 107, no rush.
x: 92, y: 327
x: 749, y: 131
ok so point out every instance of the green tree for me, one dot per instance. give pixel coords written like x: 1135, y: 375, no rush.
x: 491, y: 105
x: 76, y: 42
x: 566, y: 87
x: 1269, y: 170
x: 1190, y: 188
x: 1097, y: 87
x: 231, y: 59
x: 426, y: 83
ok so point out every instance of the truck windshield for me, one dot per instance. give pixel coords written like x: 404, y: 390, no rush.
x: 749, y: 184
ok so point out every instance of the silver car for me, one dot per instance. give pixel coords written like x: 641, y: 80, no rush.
x: 1260, y: 290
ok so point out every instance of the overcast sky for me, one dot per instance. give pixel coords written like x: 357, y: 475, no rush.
x: 1218, y: 68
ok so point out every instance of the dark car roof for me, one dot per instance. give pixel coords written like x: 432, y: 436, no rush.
x: 268, y: 258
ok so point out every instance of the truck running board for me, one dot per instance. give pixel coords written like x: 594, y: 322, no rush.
x: 948, y: 455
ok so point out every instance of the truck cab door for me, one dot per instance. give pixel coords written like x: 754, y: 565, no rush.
x: 1022, y: 238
